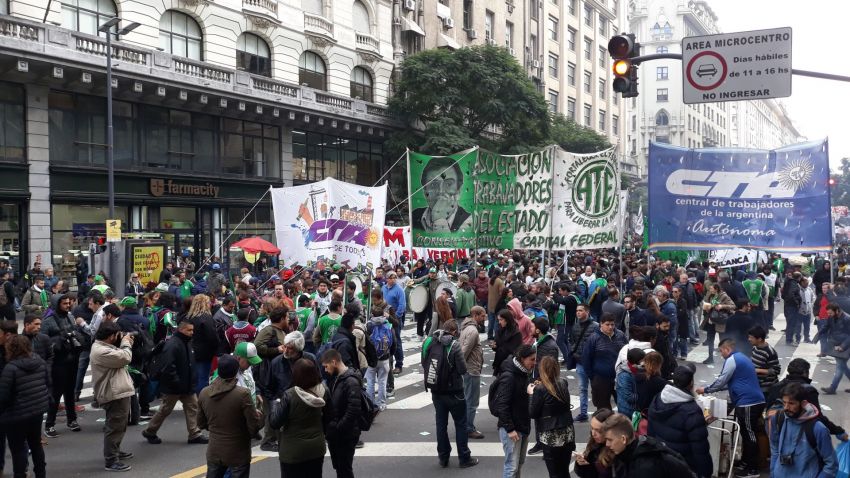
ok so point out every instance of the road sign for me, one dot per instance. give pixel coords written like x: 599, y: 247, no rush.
x: 113, y: 230
x: 737, y: 66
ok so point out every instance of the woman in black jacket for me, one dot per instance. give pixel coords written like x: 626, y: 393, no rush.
x: 508, y: 340
x: 596, y: 460
x: 23, y: 400
x: 550, y: 409
x: 204, y: 339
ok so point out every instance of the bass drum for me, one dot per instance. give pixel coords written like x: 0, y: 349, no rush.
x: 418, y: 300
x: 445, y: 285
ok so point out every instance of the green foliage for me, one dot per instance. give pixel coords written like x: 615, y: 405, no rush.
x: 841, y: 191
x: 575, y: 138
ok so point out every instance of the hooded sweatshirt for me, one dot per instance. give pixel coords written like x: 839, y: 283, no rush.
x: 791, y: 440
x: 299, y: 417
x: 677, y: 420
x: 523, y: 323
x: 633, y: 344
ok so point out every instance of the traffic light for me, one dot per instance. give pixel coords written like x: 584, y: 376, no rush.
x: 623, y: 49
x: 832, y: 182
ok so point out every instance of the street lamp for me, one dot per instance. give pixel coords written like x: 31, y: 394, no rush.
x: 110, y: 142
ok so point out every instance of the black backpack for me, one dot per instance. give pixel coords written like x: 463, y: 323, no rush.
x: 667, y: 459
x: 492, y: 396
x: 437, y: 364
x: 156, y: 361
x: 808, y: 430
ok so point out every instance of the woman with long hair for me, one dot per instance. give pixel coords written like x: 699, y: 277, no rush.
x: 299, y: 415
x: 444, y: 313
x: 653, y: 313
x: 204, y: 340
x: 23, y: 400
x: 650, y: 383
x: 550, y: 409
x: 595, y: 461
x: 508, y: 340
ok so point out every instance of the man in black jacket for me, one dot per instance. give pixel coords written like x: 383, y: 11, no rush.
x: 65, y: 334
x: 41, y: 345
x: 641, y: 457
x: 512, y: 407
x: 792, y: 298
x: 342, y: 430
x: 177, y: 382
x: 345, y: 343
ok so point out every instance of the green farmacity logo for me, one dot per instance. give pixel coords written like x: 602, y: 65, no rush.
x: 595, y: 190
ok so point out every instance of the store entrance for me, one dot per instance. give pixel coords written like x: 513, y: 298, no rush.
x: 187, y: 232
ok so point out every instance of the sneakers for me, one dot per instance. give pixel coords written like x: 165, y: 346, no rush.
x: 198, y: 440
x: 580, y: 418
x: 359, y: 444
x: 747, y: 474
x: 469, y: 463
x: 269, y: 446
x: 117, y: 466
x: 390, y: 393
x: 397, y: 371
x: 124, y: 455
x: 151, y: 438
x: 477, y: 435
x: 536, y: 449
x: 708, y: 361
x: 74, y: 426
x: 827, y: 391
x: 51, y: 432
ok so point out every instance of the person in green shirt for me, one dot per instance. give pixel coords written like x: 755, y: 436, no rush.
x: 185, y: 285
x: 757, y: 294
x: 328, y: 324
x: 465, y: 298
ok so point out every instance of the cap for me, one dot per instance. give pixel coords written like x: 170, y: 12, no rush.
x: 216, y: 267
x: 275, y: 277
x: 228, y: 366
x: 129, y: 302
x: 98, y: 278
x: 162, y: 287
x: 336, y: 267
x: 334, y: 277
x: 248, y: 351
x: 432, y: 270
x: 287, y: 274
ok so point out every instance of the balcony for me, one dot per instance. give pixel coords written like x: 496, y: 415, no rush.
x: 97, y: 46
x: 368, y: 43
x: 317, y: 25
x: 264, y: 8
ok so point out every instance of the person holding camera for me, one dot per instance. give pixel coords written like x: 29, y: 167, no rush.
x: 113, y: 388
x: 68, y: 336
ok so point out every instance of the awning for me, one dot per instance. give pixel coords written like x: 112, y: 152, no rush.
x: 447, y: 42
x: 443, y: 11
x: 411, y: 26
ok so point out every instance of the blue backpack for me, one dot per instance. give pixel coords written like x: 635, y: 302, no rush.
x: 382, y: 338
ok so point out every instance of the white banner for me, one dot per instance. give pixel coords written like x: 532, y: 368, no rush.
x: 330, y: 220
x: 733, y: 257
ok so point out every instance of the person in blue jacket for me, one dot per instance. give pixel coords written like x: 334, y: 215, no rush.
x: 800, y: 445
x: 739, y: 377
x: 599, y: 357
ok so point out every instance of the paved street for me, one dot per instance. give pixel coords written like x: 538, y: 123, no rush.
x: 403, y: 436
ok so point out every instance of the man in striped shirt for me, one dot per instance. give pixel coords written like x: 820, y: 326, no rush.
x: 764, y: 358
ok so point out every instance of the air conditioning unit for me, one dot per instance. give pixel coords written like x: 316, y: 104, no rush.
x: 410, y: 5
x: 491, y: 41
x: 448, y: 22
x: 471, y: 34
x: 535, y: 63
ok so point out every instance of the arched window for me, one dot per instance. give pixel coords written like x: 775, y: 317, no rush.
x: 180, y: 34
x: 86, y: 16
x: 253, y: 55
x: 312, y: 6
x: 312, y: 72
x: 360, y: 17
x: 661, y: 119
x: 661, y: 49
x: 361, y: 84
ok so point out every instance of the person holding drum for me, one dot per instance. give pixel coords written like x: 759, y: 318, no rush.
x: 422, y: 300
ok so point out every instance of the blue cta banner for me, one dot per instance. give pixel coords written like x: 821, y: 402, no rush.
x: 719, y: 198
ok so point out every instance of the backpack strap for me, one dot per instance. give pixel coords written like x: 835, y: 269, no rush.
x: 809, y: 430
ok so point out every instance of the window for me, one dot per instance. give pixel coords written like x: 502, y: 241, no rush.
x: 311, y: 71
x: 603, y: 54
x: 616, y: 99
x: 634, y: 123
x: 532, y: 46
x: 553, y: 28
x: 587, y: 111
x: 571, y: 74
x: 509, y: 35
x: 661, y: 49
x: 588, y: 49
x: 601, y: 89
x: 571, y: 108
x: 316, y: 156
x: 553, y: 65
x: 571, y: 38
x: 250, y: 149
x: 489, y: 20
x: 587, y: 80
x: 180, y: 35
x: 313, y: 7
x: 12, y: 121
x: 663, y: 139
x: 588, y: 15
x: 553, y: 101
x: 86, y: 16
x: 601, y: 120
x: 253, y: 55
x: 360, y: 18
x: 603, y: 25
x: 661, y: 73
x: 467, y: 14
x: 661, y: 119
x: 533, y: 8
x: 361, y: 84
x: 661, y: 94
x: 572, y: 7
x: 615, y: 125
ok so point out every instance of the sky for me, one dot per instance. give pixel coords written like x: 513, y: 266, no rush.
x: 818, y: 108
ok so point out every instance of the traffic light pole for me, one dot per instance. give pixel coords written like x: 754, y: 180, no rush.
x: 678, y: 56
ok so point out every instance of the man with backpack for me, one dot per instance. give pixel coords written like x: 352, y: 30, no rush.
x: 565, y: 315
x: 641, y: 457
x: 444, y: 368
x: 346, y: 409
x: 800, y: 445
x: 473, y: 356
x: 381, y: 334
x: 508, y: 401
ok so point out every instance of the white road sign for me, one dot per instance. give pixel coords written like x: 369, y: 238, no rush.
x: 737, y: 66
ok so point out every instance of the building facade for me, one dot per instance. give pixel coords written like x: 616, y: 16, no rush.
x: 762, y: 124
x: 214, y: 102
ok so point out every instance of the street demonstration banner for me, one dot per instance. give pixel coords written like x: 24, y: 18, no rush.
x: 735, y: 257
x: 332, y: 221
x: 548, y: 199
x: 397, y: 243
x: 757, y: 199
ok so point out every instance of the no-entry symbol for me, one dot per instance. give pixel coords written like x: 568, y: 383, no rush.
x: 706, y: 70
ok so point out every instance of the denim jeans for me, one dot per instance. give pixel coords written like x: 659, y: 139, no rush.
x: 791, y: 324
x: 215, y: 470
x: 674, y: 334
x: 841, y: 369
x: 683, y: 347
x: 562, y: 340
x: 492, y: 326
x: 82, y: 366
x: 822, y: 339
x: 514, y: 453
x: 454, y: 404
x: 472, y: 395
x: 583, y: 385
x: 202, y: 375
x: 399, y: 350
x: 693, y: 323
x: 806, y: 322
x: 378, y: 373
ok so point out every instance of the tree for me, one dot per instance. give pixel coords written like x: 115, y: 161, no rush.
x: 450, y: 100
x: 575, y: 138
x: 841, y: 191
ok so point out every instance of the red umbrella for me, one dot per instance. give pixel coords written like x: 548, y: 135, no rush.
x: 255, y: 244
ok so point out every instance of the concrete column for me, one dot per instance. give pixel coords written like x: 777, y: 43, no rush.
x: 38, y: 153
x: 286, y: 166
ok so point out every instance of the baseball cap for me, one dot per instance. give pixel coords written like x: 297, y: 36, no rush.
x: 162, y: 287
x: 228, y: 366
x: 432, y: 270
x: 334, y: 277
x: 129, y: 302
x: 248, y: 351
x: 216, y: 267
x: 98, y: 278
